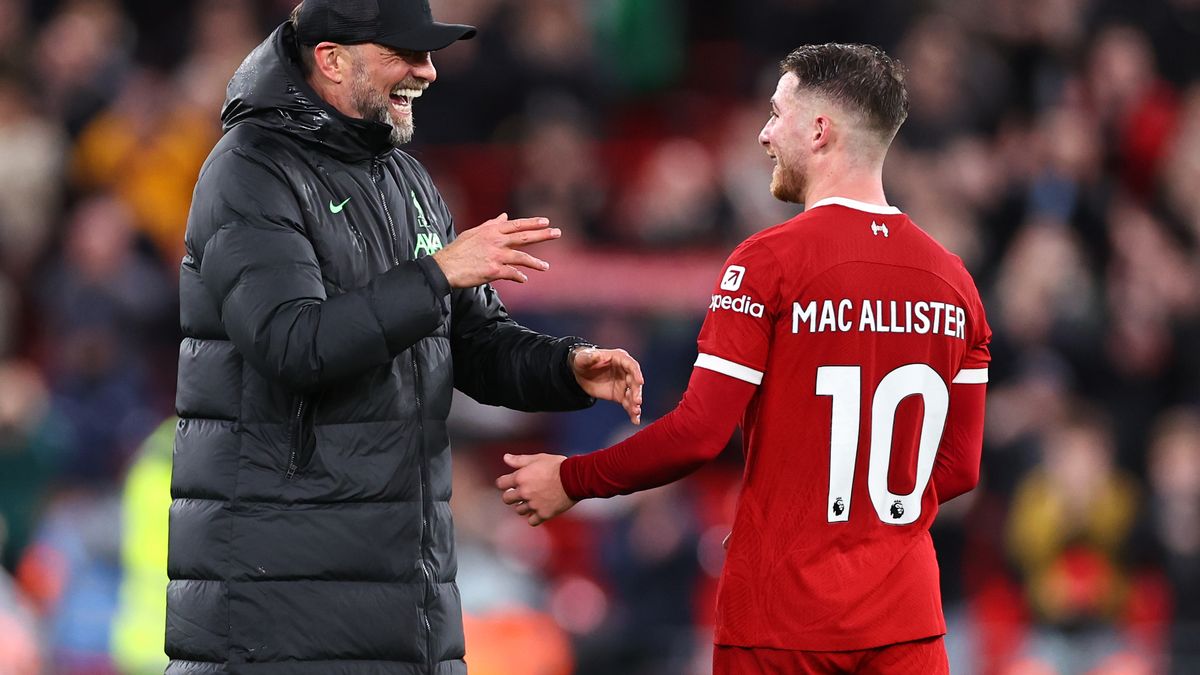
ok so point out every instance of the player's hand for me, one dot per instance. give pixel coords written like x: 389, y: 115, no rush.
x: 535, y: 489
x: 491, y: 251
x: 612, y: 375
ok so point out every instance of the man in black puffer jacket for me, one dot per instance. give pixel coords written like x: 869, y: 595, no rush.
x: 329, y: 311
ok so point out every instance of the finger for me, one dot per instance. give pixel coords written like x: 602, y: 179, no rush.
x: 524, y: 509
x: 633, y: 389
x: 535, y: 520
x: 498, y: 220
x: 634, y: 412
x: 511, y: 497
x: 632, y: 367
x: 518, y: 461
x: 507, y: 482
x: 529, y: 237
x: 524, y: 224
x: 510, y: 273
x: 525, y: 260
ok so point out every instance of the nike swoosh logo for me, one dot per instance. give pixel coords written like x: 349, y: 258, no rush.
x: 338, y: 208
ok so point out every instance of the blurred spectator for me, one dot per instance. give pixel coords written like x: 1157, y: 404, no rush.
x: 30, y: 176
x: 1152, y: 289
x: 147, y: 149
x: 222, y: 33
x: 1172, y: 524
x: 676, y: 200
x: 14, y: 35
x: 1067, y: 182
x: 650, y: 554
x: 1071, y: 520
x: 73, y: 563
x: 1137, y: 107
x: 20, y: 651
x: 102, y: 304
x: 945, y: 81
x: 1181, y: 174
x: 33, y: 440
x: 80, y: 57
x: 504, y: 619
x: 560, y: 176
x: 553, y: 50
x: 1173, y: 27
x: 1045, y: 293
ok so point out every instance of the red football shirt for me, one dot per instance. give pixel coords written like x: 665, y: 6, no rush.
x: 856, y: 325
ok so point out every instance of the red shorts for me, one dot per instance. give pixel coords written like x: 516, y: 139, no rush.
x: 924, y: 657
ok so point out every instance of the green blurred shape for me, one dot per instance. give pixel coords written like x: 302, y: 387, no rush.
x: 140, y: 623
x: 645, y: 41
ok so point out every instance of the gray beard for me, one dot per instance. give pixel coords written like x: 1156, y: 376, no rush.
x: 372, y: 106
x: 401, y: 132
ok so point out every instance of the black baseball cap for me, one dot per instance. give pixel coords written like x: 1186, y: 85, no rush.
x: 400, y: 24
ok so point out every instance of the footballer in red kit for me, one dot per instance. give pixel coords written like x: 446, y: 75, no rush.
x: 852, y: 349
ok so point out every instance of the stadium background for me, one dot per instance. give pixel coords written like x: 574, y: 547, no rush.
x: 1053, y: 144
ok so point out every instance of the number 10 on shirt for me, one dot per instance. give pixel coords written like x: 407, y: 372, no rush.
x: 844, y: 385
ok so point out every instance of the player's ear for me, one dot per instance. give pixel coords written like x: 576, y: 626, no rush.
x: 822, y: 132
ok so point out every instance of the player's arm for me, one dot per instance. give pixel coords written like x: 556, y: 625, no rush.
x: 680, y: 442
x: 956, y: 470
x: 683, y: 440
x: 733, y: 347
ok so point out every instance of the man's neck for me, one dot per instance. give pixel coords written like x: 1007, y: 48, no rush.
x: 859, y: 184
x: 333, y: 95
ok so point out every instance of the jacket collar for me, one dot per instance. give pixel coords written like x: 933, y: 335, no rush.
x: 268, y: 90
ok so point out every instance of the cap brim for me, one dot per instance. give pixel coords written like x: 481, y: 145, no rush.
x: 428, y: 38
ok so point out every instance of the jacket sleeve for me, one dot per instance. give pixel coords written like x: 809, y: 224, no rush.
x: 265, y: 278
x: 499, y: 362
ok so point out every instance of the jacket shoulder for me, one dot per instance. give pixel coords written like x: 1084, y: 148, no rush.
x: 245, y: 179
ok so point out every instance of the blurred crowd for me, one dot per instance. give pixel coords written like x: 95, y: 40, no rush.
x: 1053, y: 144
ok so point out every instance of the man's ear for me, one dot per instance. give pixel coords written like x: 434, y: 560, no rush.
x: 822, y: 132
x: 332, y: 61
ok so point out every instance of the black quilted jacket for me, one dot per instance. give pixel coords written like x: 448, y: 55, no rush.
x: 310, y: 528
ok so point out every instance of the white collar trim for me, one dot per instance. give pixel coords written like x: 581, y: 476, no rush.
x: 857, y: 205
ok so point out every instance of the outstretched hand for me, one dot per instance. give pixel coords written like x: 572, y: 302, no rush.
x: 491, y: 251
x: 535, y: 489
x: 612, y: 375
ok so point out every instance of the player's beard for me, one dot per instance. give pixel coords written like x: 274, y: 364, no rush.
x: 374, y: 105
x: 787, y: 182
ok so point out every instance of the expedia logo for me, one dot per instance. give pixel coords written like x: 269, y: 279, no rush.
x: 742, y: 305
x: 732, y: 279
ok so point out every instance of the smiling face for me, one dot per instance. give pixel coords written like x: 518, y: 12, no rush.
x: 787, y: 142
x: 383, y: 84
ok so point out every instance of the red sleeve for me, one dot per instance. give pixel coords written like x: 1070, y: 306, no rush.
x: 956, y: 469
x: 680, y: 442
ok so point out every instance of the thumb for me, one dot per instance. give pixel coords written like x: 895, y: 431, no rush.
x: 518, y: 461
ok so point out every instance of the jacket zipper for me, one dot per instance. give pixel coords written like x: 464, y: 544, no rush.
x: 425, y: 571
x: 377, y: 175
x: 295, y: 440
